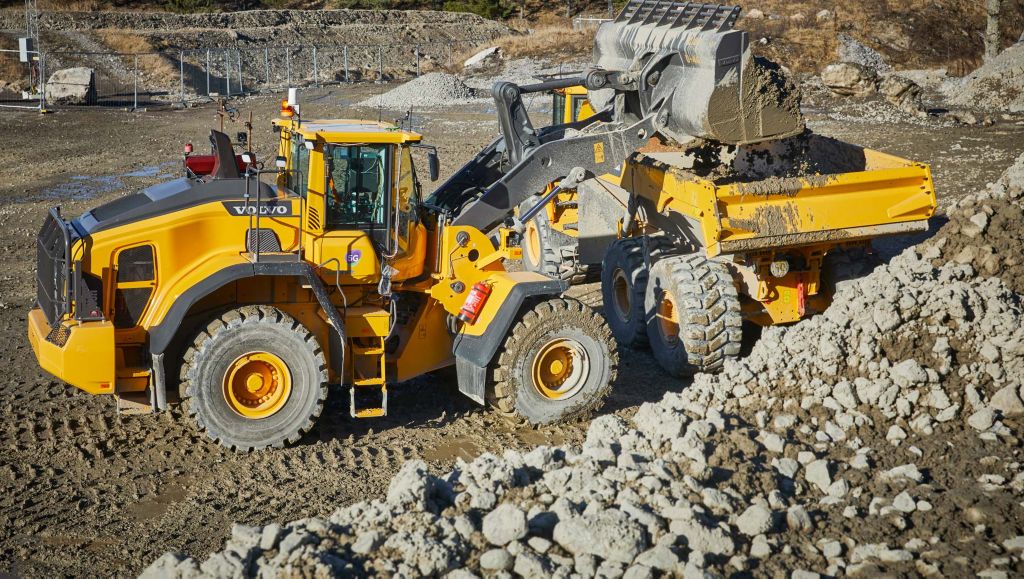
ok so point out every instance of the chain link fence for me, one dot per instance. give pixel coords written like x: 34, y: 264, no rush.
x: 175, y: 78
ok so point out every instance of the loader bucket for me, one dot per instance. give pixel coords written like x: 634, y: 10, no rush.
x: 699, y: 72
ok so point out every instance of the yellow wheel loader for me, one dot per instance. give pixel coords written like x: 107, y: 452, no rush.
x: 250, y: 298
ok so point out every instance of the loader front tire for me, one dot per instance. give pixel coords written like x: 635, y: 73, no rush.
x: 254, y: 378
x: 693, y: 314
x: 557, y: 364
x: 624, y: 277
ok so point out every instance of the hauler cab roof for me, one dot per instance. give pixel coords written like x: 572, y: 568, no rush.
x: 350, y: 131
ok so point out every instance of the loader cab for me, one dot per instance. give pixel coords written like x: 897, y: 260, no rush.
x: 360, y: 196
x: 570, y: 105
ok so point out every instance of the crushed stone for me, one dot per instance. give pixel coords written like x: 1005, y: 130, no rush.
x: 432, y: 90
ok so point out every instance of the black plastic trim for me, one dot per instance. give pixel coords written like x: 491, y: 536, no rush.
x: 161, y: 335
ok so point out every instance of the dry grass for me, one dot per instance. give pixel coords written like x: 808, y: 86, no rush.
x: 155, y: 65
x: 552, y: 42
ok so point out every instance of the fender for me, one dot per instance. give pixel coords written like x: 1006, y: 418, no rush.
x: 161, y: 335
x: 474, y: 353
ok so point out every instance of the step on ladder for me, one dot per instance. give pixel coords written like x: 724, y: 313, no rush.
x: 369, y: 377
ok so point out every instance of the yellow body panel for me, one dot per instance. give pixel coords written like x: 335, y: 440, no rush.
x: 888, y: 197
x: 86, y: 360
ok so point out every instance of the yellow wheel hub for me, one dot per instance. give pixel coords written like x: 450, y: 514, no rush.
x: 668, y: 319
x: 257, y: 385
x: 533, y: 242
x: 560, y: 369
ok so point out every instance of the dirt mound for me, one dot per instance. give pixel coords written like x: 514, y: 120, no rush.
x: 828, y: 449
x: 986, y: 231
x: 434, y: 89
x: 998, y: 85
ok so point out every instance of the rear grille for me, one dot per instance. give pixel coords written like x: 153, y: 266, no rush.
x: 52, y: 268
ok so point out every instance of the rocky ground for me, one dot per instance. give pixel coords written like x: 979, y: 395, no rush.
x: 696, y: 464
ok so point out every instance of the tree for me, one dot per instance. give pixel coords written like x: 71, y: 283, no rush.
x: 992, y: 40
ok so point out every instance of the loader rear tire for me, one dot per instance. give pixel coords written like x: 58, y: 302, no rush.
x: 550, y: 252
x: 254, y: 378
x: 693, y: 314
x: 557, y: 364
x: 624, y: 287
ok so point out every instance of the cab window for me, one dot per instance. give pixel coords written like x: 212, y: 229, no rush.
x: 357, y: 186
x: 558, y: 109
x: 408, y: 197
x: 577, y: 104
x: 298, y: 177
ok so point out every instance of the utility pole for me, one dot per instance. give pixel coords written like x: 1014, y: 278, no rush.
x: 992, y: 39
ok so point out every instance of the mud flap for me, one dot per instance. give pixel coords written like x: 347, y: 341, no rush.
x: 473, y: 354
x: 472, y: 379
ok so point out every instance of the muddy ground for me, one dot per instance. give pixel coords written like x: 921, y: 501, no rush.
x: 84, y: 491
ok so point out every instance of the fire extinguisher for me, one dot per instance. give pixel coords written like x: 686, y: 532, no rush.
x: 475, y: 301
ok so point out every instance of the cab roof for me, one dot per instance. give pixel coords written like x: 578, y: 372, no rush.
x: 350, y: 131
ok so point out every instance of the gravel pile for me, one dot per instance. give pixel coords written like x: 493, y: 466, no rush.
x: 984, y: 230
x: 879, y: 437
x: 432, y: 90
x: 998, y: 85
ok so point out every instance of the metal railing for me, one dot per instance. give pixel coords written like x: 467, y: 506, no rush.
x: 173, y: 78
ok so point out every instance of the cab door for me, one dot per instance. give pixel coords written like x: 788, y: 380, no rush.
x: 354, y: 183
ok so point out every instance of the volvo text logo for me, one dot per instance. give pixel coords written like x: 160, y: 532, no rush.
x: 241, y: 208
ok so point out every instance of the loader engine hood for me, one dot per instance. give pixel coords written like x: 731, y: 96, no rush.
x: 692, y: 66
x: 166, y: 198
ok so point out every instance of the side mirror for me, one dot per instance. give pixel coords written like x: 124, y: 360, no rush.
x: 280, y: 162
x: 433, y: 165
x: 248, y: 158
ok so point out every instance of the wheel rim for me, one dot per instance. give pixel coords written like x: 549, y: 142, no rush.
x: 532, y: 242
x: 620, y: 295
x: 668, y: 319
x: 257, y: 385
x: 560, y: 369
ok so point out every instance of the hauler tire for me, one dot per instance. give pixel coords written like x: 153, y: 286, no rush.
x: 693, y: 314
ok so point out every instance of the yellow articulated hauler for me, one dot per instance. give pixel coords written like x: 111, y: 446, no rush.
x: 245, y: 298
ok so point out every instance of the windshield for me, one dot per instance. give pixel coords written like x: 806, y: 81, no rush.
x: 357, y: 185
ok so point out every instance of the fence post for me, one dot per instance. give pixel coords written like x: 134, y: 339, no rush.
x: 380, y: 64
x: 241, y: 83
x: 135, y: 106
x: 266, y: 63
x: 316, y: 70
x: 207, y: 73
x: 227, y: 74
x: 288, y: 65
x: 181, y: 74
x: 41, y: 84
x: 417, y: 60
x: 346, y: 63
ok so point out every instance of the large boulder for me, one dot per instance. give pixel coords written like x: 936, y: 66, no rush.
x: 849, y: 79
x: 72, y: 86
x: 904, y: 93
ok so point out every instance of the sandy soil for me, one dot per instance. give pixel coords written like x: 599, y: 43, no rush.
x: 84, y: 491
